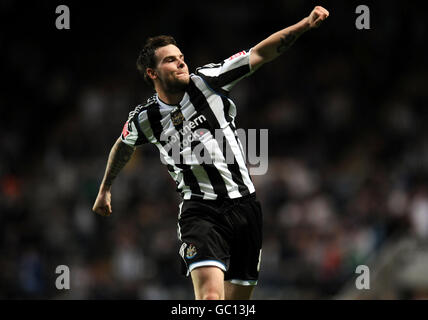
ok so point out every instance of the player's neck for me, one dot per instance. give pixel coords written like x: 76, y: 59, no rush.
x: 170, y: 98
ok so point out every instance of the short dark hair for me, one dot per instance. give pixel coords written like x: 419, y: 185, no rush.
x: 146, y: 59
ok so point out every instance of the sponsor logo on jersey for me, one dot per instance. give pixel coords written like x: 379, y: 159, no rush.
x: 190, y: 131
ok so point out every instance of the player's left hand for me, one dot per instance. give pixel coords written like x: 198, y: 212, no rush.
x: 317, y: 16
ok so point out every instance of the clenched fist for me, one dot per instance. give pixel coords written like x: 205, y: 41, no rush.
x: 102, y: 204
x: 318, y: 15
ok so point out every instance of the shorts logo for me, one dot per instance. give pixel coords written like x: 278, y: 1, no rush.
x: 177, y: 117
x: 191, y: 251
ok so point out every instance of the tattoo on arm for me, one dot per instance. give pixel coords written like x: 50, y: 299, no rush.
x: 119, y: 156
x: 286, y: 41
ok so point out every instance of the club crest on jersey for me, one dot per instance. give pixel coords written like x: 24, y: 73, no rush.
x: 191, y: 251
x: 177, y: 117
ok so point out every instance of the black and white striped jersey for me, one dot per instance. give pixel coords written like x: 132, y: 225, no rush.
x: 197, y: 139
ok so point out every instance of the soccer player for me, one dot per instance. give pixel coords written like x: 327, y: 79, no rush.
x: 220, y: 219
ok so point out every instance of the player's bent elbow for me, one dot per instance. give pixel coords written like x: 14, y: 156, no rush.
x: 256, y: 60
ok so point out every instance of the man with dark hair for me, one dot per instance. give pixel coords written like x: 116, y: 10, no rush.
x: 220, y: 219
x: 147, y: 58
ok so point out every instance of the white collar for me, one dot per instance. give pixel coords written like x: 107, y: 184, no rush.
x: 169, y: 106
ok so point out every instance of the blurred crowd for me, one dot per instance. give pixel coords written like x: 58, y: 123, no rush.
x: 348, y: 148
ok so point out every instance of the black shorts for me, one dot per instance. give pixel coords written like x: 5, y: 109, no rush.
x: 224, y: 233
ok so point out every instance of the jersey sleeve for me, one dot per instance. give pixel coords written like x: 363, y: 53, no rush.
x: 132, y: 134
x: 229, y: 72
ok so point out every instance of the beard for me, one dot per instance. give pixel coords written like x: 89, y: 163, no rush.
x: 175, y: 85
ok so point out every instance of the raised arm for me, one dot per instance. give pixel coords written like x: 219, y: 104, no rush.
x: 275, y: 45
x: 119, y: 155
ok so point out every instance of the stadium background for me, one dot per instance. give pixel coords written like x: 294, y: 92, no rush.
x: 348, y: 150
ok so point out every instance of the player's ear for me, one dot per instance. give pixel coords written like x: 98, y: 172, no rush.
x: 151, y: 73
